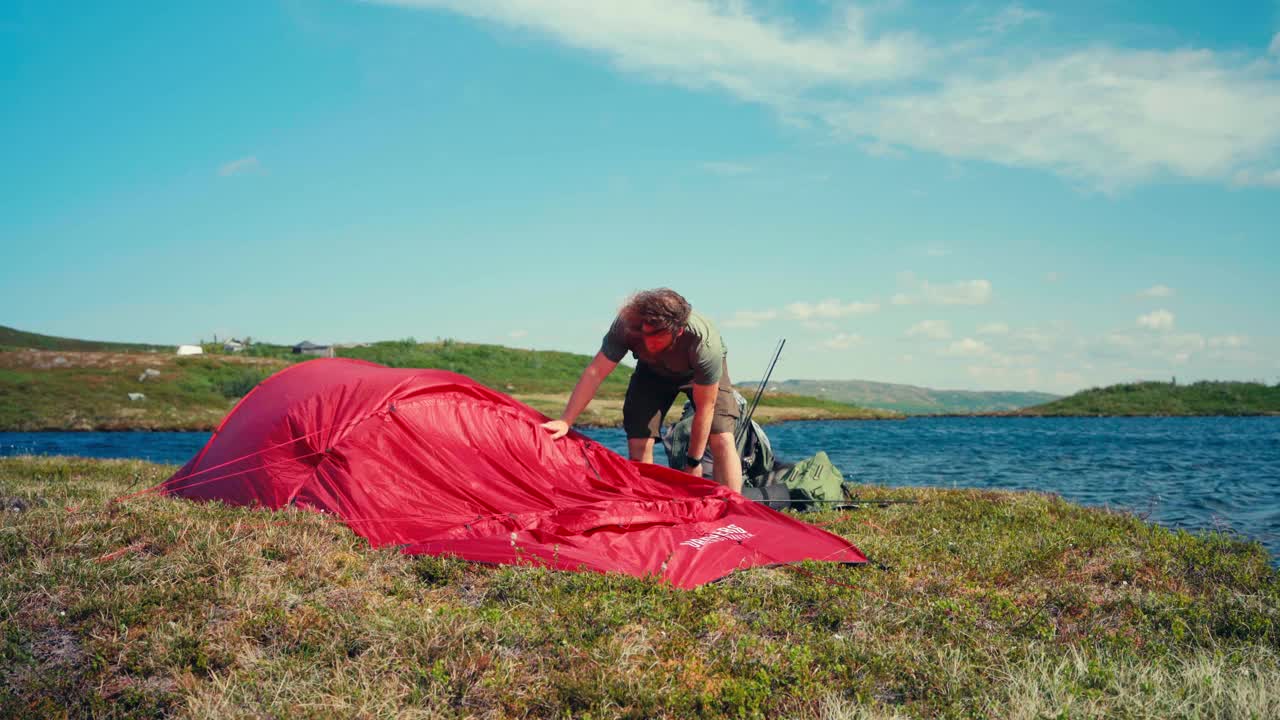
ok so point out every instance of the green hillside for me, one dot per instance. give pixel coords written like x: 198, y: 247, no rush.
x: 59, y: 384
x: 912, y: 399
x: 11, y: 338
x: 1160, y: 398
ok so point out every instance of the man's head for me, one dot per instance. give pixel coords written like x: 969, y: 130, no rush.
x: 658, y: 316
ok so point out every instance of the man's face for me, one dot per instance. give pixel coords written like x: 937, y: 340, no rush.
x: 656, y: 340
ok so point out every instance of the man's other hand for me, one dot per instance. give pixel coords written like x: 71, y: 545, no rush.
x: 557, y: 428
x: 694, y: 470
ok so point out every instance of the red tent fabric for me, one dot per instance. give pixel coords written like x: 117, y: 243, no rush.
x: 436, y: 463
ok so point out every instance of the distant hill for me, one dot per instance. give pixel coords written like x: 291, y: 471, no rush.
x: 911, y: 399
x: 12, y: 338
x: 1162, y: 398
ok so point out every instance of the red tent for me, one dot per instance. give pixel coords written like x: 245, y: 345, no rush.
x: 436, y: 463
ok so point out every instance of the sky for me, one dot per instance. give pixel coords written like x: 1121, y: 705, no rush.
x: 972, y: 195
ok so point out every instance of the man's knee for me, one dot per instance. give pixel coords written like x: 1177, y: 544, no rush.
x: 640, y: 449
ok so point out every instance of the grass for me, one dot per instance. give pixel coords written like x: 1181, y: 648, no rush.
x: 90, y: 391
x: 1158, y: 398
x: 987, y: 604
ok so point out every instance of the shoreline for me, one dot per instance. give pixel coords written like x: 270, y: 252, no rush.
x: 764, y: 423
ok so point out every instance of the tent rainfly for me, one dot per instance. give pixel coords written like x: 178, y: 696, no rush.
x: 435, y: 463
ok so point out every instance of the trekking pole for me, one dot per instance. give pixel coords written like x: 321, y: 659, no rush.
x: 746, y: 422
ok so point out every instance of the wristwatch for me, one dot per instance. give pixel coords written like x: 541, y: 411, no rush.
x: 691, y: 461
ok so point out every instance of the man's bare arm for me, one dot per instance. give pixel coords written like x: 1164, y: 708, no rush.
x: 583, y: 391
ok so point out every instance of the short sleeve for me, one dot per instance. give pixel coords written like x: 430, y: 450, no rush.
x: 708, y: 360
x: 614, y: 345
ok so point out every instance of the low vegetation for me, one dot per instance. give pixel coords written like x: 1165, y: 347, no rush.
x: 1159, y: 398
x: 980, y: 604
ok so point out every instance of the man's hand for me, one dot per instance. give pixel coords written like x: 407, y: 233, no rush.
x: 694, y: 470
x: 557, y: 428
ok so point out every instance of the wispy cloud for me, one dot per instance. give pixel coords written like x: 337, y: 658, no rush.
x: 727, y: 169
x: 1228, y: 341
x: 1274, y: 48
x: 968, y: 347
x: 236, y: 167
x: 517, y: 333
x: 965, y: 292
x: 1011, y: 16
x: 1157, y: 291
x: 1052, y: 277
x: 932, y: 329
x: 841, y: 341
x: 994, y: 329
x: 1156, y: 320
x: 1257, y: 178
x: 830, y: 309
x: 1100, y: 115
x: 1109, y: 116
x: 750, y: 318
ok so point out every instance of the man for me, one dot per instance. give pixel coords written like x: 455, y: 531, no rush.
x: 676, y: 349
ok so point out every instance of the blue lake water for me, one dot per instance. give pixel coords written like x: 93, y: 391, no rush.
x: 1192, y: 473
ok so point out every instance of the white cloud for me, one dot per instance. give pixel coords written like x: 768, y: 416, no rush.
x: 1274, y: 48
x: 842, y: 341
x: 1157, y: 320
x: 1011, y: 17
x: 750, y: 318
x: 1026, y: 377
x: 818, y: 325
x: 517, y: 333
x: 235, y: 167
x: 936, y: 250
x: 965, y: 292
x: 932, y: 329
x: 1119, y: 340
x: 881, y: 149
x: 727, y: 169
x: 968, y: 347
x: 1257, y: 178
x: 1031, y: 337
x: 994, y: 329
x: 711, y: 44
x: 1228, y: 341
x: 1183, y: 342
x: 1051, y: 277
x: 1157, y: 291
x: 830, y: 309
x: 1109, y: 116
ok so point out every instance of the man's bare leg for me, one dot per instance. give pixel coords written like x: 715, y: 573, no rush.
x: 728, y: 466
x: 640, y: 449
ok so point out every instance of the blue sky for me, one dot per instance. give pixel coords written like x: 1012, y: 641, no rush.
x: 971, y: 195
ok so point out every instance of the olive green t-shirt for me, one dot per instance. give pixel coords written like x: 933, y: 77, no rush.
x: 697, y: 354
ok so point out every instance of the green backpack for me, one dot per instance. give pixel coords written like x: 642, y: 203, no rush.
x: 816, y: 478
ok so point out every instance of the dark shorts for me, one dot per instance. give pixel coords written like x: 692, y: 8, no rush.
x: 650, y: 396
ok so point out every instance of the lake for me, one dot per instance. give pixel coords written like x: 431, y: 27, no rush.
x: 1190, y: 473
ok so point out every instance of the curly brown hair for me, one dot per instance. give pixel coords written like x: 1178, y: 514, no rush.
x: 663, y: 308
